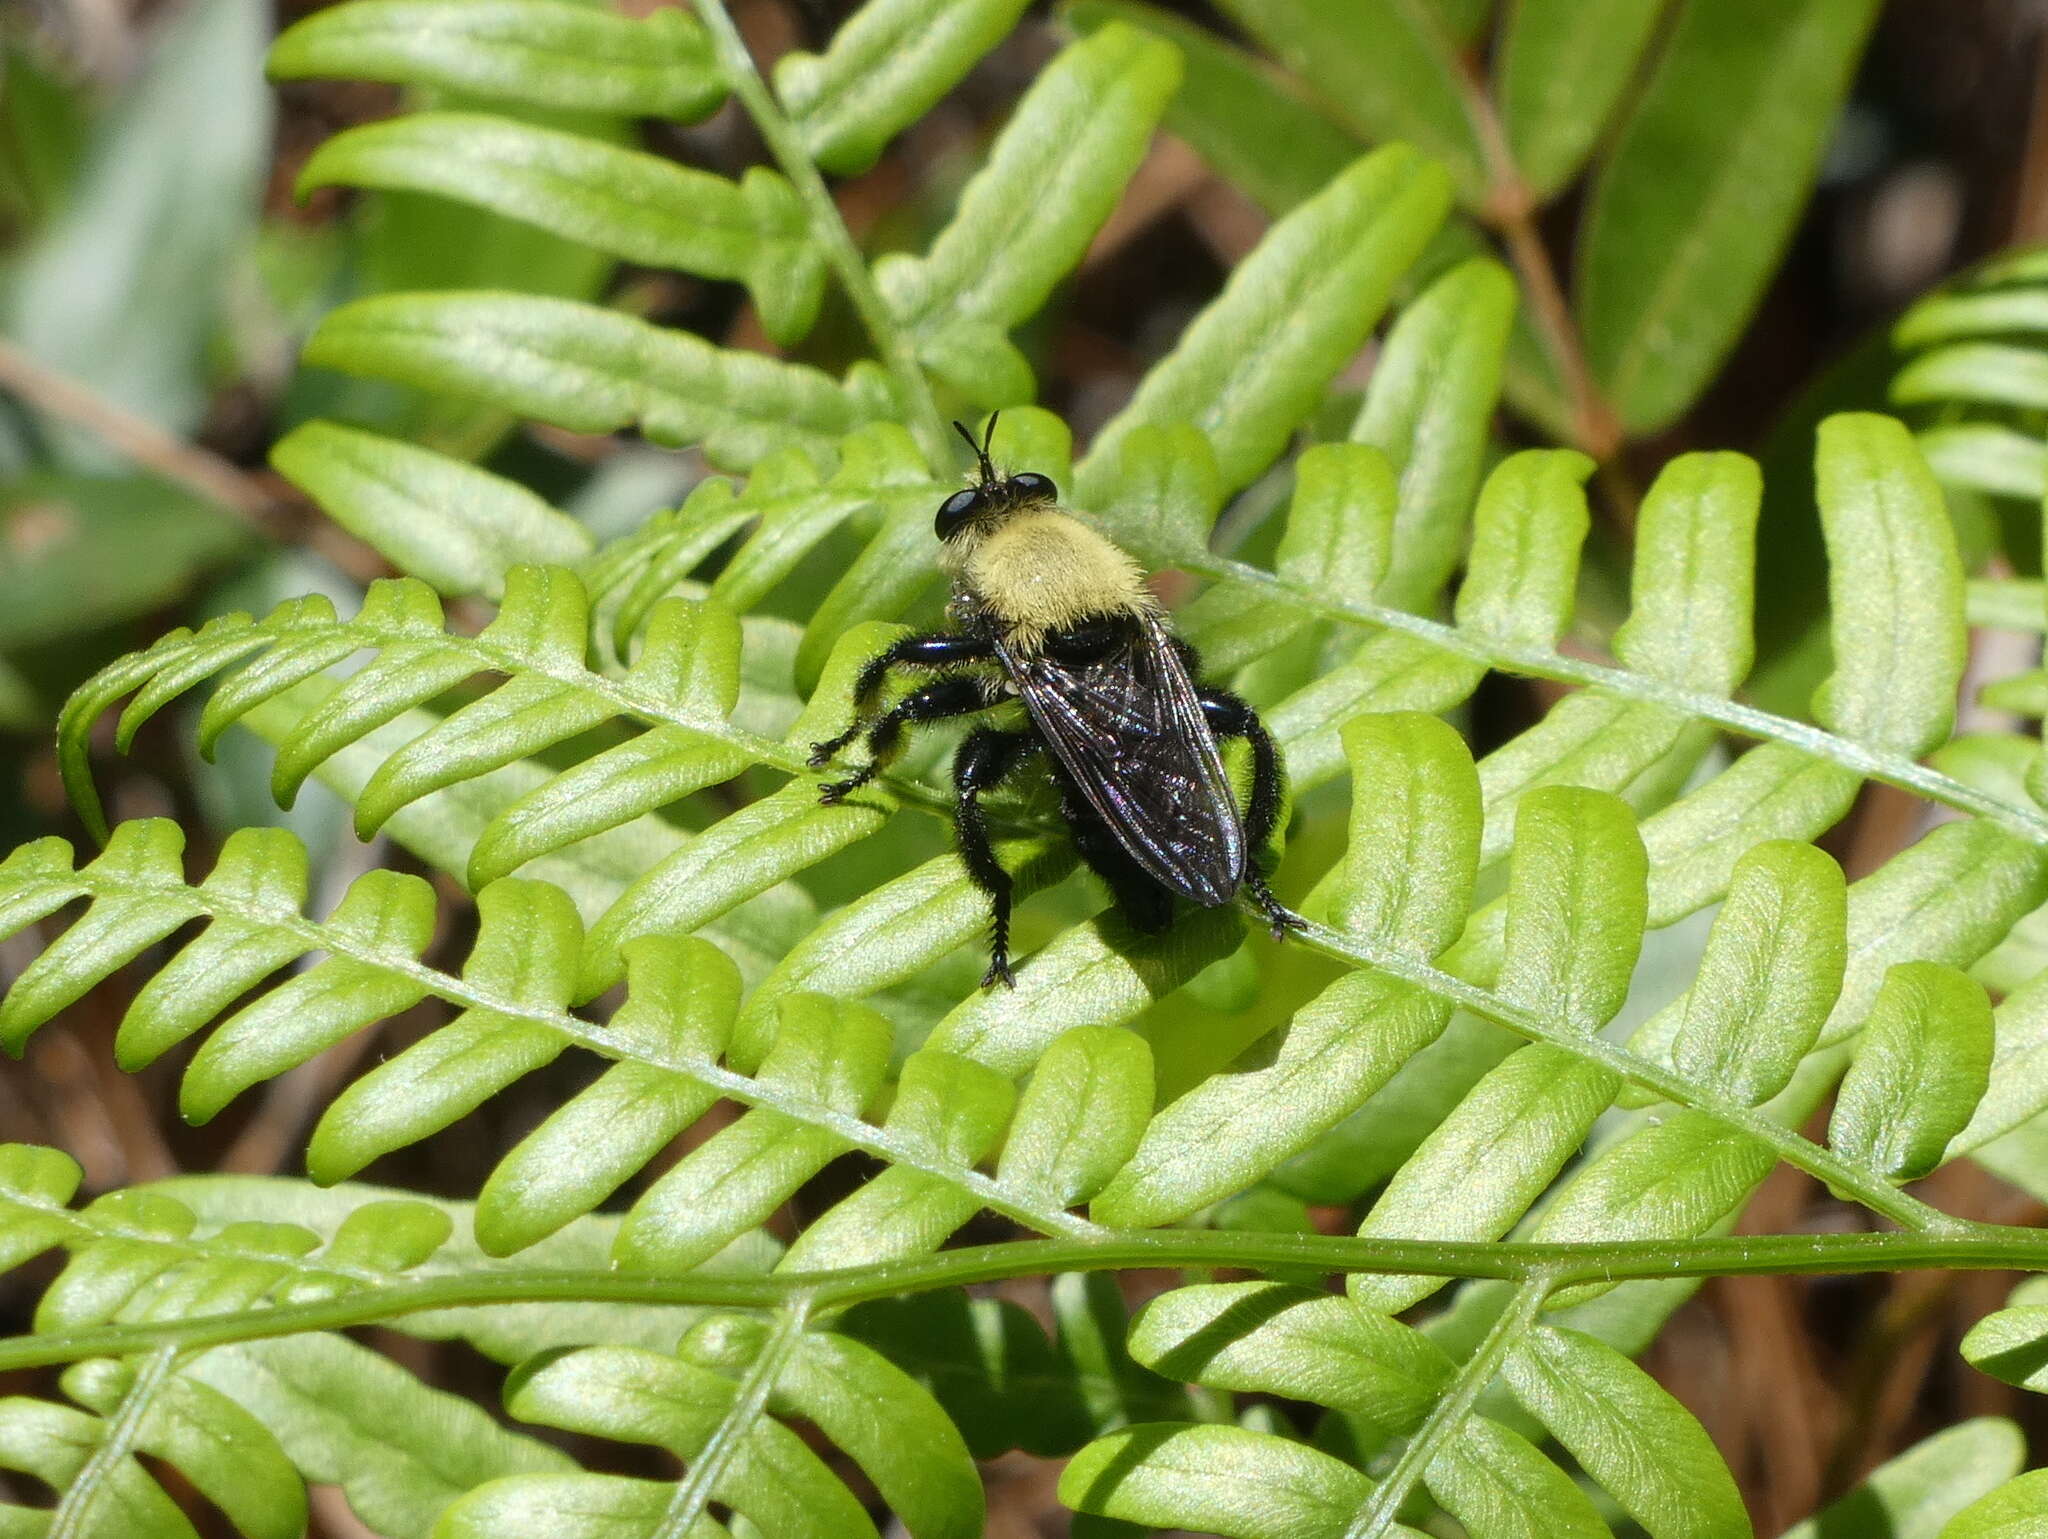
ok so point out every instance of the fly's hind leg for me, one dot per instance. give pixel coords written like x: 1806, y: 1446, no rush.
x: 1229, y: 716
x: 935, y: 702
x: 986, y: 756
x: 938, y: 650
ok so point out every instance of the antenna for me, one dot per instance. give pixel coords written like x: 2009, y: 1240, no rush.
x: 980, y: 450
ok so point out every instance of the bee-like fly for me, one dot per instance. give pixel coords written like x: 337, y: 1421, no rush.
x: 1050, y: 612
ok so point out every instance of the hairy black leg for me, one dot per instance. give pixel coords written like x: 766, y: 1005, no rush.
x: 939, y: 649
x: 935, y: 702
x: 1146, y: 906
x: 985, y: 757
x: 1229, y: 716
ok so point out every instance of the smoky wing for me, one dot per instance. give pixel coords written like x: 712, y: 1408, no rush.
x: 1130, y: 734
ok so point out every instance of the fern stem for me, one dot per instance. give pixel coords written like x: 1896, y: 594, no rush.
x: 1447, y: 1416
x: 829, y: 229
x: 74, y: 1517
x: 627, y: 698
x: 2027, y: 823
x: 693, y: 1493
x: 1975, y: 1247
x: 882, y: 1142
x: 1894, y: 769
x: 1865, y: 1185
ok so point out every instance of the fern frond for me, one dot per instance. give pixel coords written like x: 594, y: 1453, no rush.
x: 1975, y: 368
x: 1398, y: 71
x: 1009, y: 1382
x: 1253, y: 365
x: 882, y: 582
x: 1074, y: 142
x: 1920, y: 1490
x: 2018, y: 1502
x: 624, y: 202
x: 1260, y: 133
x: 440, y: 519
x: 228, y: 1455
x: 823, y: 1066
x: 137, y: 1255
x: 1922, y: 1066
x: 250, y: 1423
x: 1531, y: 506
x: 592, y: 370
x: 719, y: 1405
x: 1442, y: 367
x: 1439, y: 1051
x: 444, y: 829
x: 1661, y: 1177
x: 400, y: 1451
x: 1679, y: 1173
x: 546, y: 53
x: 877, y: 475
x: 1391, y: 1381
x: 1563, y: 70
x: 886, y: 66
x: 1973, y: 376
x: 684, y: 683
x: 1026, y: 218
x: 2012, y: 1343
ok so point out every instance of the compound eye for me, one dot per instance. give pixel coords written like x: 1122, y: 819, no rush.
x: 956, y: 510
x: 1033, y: 487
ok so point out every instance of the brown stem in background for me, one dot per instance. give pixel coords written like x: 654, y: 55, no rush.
x: 219, y: 481
x: 1511, y: 212
x: 135, y: 438
x: 2030, y: 212
x: 1887, y: 1378
x: 1786, y: 1405
x: 1884, y: 1375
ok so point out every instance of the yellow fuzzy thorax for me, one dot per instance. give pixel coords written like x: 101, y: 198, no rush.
x: 1041, y: 570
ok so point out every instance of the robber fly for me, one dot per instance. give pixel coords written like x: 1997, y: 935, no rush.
x: 1047, y: 611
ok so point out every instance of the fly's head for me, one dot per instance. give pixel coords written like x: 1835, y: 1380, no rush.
x: 975, y: 510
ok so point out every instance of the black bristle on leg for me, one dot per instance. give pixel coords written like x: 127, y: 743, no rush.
x: 986, y: 756
x: 1279, y: 918
x: 935, y: 702
x: 936, y: 650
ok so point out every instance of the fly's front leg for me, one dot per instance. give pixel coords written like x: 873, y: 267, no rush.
x: 984, y: 759
x: 935, y: 702
x: 938, y: 650
x: 1229, y: 716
